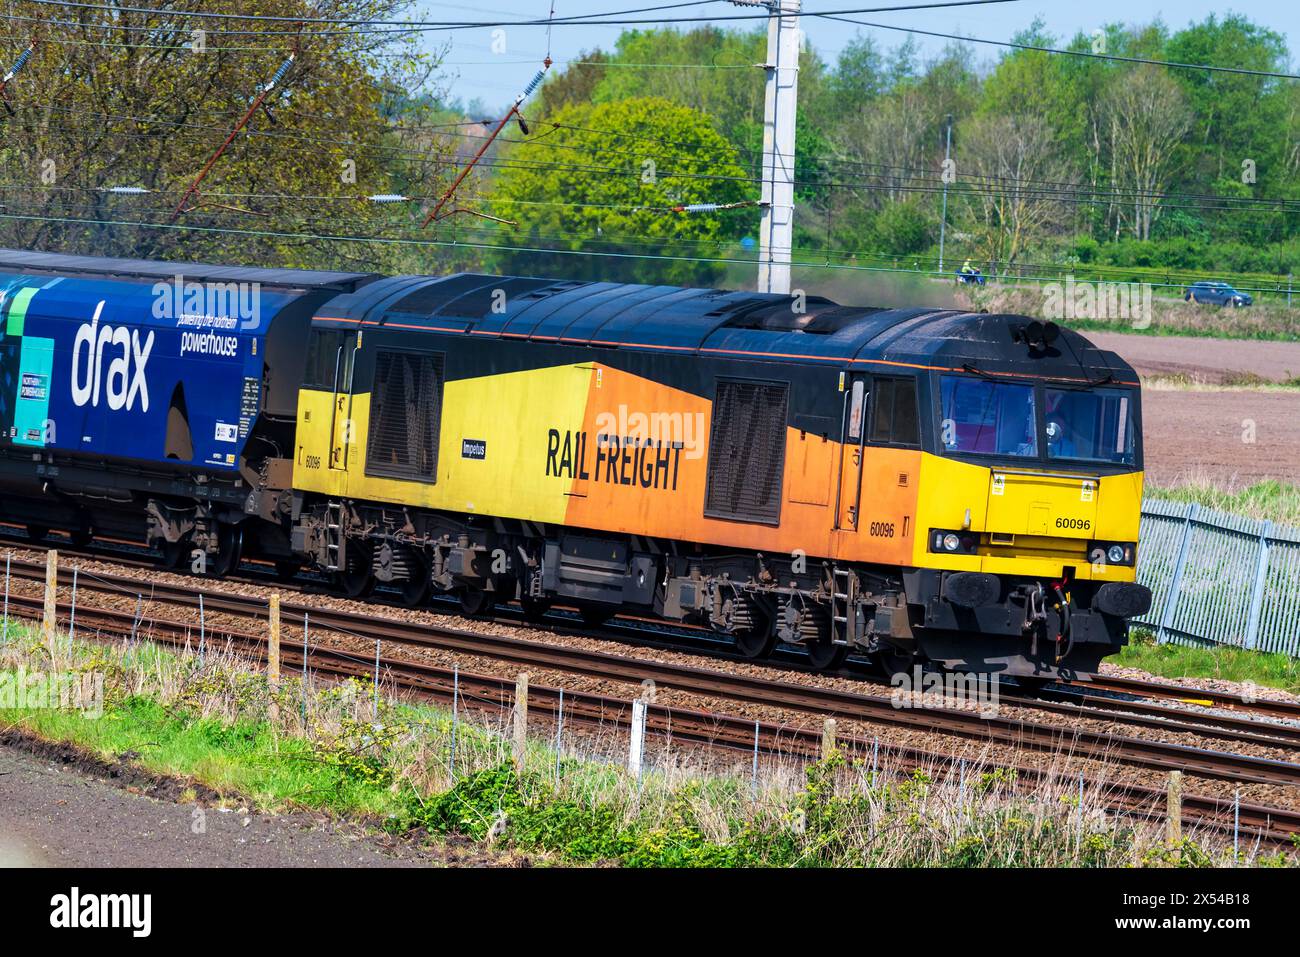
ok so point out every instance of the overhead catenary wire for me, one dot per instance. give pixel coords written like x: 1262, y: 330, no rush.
x: 425, y: 25
x: 1088, y: 54
x: 472, y: 245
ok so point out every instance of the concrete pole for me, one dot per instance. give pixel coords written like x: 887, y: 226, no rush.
x: 943, y: 219
x: 776, y: 233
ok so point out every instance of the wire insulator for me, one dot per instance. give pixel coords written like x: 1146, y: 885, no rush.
x: 279, y: 74
x: 127, y: 190
x: 533, y: 84
x: 388, y: 198
x: 19, y: 64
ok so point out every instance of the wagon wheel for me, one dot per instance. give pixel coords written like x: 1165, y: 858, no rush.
x: 825, y: 655
x: 890, y: 661
x: 475, y: 601
x: 535, y: 609
x: 38, y: 533
x: 174, y: 553
x: 230, y: 548
x: 82, y: 535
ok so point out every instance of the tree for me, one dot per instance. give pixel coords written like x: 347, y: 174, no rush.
x: 134, y: 99
x: 575, y: 84
x: 1148, y: 116
x: 603, y: 180
x: 1004, y: 162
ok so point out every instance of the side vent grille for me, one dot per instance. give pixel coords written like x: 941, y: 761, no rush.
x: 747, y: 451
x: 405, y: 416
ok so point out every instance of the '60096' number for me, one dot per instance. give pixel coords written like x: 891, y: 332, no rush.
x: 1080, y: 523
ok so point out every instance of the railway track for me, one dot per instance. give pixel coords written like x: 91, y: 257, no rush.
x: 1270, y: 825
x: 1072, y: 699
x: 747, y: 688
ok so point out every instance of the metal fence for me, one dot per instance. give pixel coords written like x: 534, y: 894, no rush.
x: 1220, y: 578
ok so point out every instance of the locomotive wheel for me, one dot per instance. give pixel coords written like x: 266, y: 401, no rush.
x: 38, y: 533
x: 415, y: 590
x: 535, y: 609
x: 475, y: 601
x: 230, y: 547
x: 826, y: 656
x: 758, y: 641
x: 356, y: 580
x: 593, y: 616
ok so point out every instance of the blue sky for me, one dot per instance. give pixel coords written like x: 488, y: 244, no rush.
x: 495, y: 78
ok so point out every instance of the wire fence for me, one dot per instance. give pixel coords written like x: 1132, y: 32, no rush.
x: 1218, y: 578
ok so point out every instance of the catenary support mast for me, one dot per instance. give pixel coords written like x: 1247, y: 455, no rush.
x: 776, y: 239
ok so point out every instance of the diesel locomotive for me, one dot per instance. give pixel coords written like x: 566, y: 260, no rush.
x: 918, y: 485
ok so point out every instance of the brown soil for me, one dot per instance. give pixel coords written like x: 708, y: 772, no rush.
x: 1191, y: 436
x: 1201, y: 359
x: 61, y: 806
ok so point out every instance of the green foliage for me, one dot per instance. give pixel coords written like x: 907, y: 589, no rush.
x: 876, y: 118
x: 1176, y: 661
x: 94, y: 112
x: 651, y: 155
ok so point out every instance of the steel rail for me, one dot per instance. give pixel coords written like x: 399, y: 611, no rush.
x: 1254, y: 821
x: 1090, y: 705
x: 750, y: 689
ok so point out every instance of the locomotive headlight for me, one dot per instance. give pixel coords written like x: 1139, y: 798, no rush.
x: 951, y: 542
x: 1112, y: 553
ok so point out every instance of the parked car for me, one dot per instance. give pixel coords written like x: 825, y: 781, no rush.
x: 1216, y: 294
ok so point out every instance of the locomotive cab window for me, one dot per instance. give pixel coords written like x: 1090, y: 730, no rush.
x: 747, y: 451
x: 981, y: 417
x: 893, y: 412
x: 323, y: 347
x: 1095, y: 426
x: 405, y: 415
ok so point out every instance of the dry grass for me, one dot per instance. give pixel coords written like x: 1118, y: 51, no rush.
x: 413, y: 766
x: 1265, y: 320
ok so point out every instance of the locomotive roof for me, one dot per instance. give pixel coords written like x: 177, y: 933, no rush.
x: 763, y: 326
x: 22, y: 260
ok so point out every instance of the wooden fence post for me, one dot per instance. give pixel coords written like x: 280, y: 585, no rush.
x: 1174, y: 811
x: 828, y: 737
x: 273, y: 656
x: 51, y: 597
x: 521, y: 719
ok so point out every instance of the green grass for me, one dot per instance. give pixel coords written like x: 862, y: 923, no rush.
x: 210, y: 723
x: 1271, y: 500
x: 1230, y: 664
x: 242, y: 758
